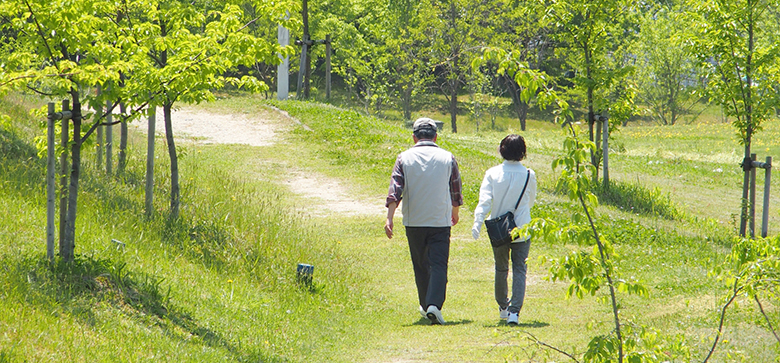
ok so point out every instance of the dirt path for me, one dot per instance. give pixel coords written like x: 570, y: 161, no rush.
x: 324, y: 196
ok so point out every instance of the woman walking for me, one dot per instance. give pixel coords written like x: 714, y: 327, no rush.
x: 501, y: 188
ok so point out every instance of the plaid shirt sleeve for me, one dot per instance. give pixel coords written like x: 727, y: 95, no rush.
x: 397, y: 183
x: 455, y: 185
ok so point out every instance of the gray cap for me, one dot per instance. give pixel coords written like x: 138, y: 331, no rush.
x: 424, y: 123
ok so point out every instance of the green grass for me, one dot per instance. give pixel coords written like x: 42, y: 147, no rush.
x: 219, y: 283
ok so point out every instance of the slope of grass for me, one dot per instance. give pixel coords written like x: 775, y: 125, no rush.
x: 219, y: 284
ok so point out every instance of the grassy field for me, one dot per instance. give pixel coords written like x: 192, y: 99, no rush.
x: 219, y: 283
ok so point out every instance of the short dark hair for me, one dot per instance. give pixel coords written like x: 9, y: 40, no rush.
x: 512, y: 148
x: 425, y: 133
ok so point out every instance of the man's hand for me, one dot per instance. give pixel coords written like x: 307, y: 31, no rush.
x: 455, y: 217
x: 389, y: 228
x: 389, y: 222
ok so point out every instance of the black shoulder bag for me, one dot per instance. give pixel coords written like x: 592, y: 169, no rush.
x: 499, y: 229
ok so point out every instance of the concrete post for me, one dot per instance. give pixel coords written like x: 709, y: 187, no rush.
x: 283, y: 69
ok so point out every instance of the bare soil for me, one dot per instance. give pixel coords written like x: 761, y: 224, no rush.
x: 324, y: 196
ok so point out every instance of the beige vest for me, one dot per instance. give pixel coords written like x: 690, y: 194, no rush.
x: 426, y: 198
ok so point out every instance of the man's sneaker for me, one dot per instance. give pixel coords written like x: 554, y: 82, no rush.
x: 503, y: 314
x: 422, y: 312
x: 512, y: 319
x: 434, y: 315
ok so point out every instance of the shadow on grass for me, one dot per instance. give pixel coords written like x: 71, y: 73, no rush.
x: 528, y: 324
x: 87, y: 284
x: 424, y: 321
x: 533, y: 324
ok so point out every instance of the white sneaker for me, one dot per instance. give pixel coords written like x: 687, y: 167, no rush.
x: 512, y: 319
x: 434, y: 315
x: 503, y: 314
x: 422, y: 312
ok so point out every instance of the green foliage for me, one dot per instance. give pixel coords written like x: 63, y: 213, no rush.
x: 583, y: 269
x: 733, y: 41
x: 666, y: 73
x: 646, y: 345
x: 574, y: 179
x: 753, y: 267
x: 596, y: 35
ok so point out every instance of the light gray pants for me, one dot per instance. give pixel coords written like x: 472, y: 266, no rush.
x: 519, y: 253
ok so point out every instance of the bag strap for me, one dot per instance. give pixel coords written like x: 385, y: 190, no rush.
x: 524, y: 186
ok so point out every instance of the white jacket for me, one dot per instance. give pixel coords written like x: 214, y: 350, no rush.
x: 500, y: 189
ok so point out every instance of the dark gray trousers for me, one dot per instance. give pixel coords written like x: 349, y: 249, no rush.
x: 519, y: 253
x: 430, y: 251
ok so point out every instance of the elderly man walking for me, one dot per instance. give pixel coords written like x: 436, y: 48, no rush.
x: 427, y: 179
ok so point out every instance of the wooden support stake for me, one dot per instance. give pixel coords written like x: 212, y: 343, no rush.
x: 109, y: 139
x: 99, y: 150
x: 752, y: 206
x: 767, y: 183
x: 50, y: 181
x: 150, y: 161
x: 64, y: 171
x: 605, y: 151
x: 327, y: 67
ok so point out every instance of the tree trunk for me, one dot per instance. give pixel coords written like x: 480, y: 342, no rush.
x: 406, y: 100
x: 174, y: 160
x: 454, y: 108
x: 454, y: 83
x: 748, y: 131
x: 591, y: 113
x: 120, y: 168
x: 68, y: 246
x: 521, y: 108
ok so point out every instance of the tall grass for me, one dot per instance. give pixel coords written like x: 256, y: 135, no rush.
x: 635, y: 198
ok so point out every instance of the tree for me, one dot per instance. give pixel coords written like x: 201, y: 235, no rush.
x: 454, y: 33
x: 61, y: 48
x: 667, y: 74
x: 184, y: 49
x: 517, y: 27
x: 732, y: 39
x: 596, y: 32
x: 357, y: 55
x: 405, y: 44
